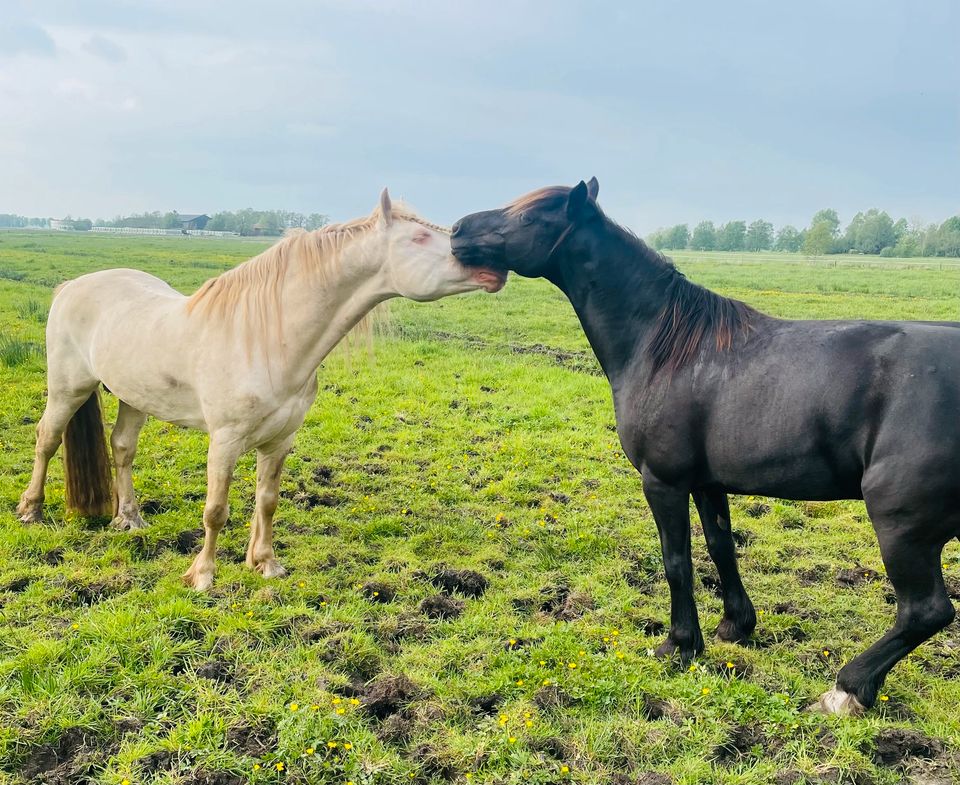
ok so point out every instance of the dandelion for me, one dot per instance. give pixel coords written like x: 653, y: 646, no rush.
x: 294, y: 707
x: 124, y: 781
x: 257, y: 767
x: 336, y: 701
x: 546, y: 682
x: 564, y: 769
x: 572, y: 665
x: 583, y: 653
x: 310, y: 750
x: 826, y: 652
x: 614, y: 632
x: 529, y: 723
x: 75, y: 626
x: 249, y: 614
x: 705, y: 691
x: 543, y: 662
x: 332, y: 745
x: 512, y: 740
x: 884, y: 698
x: 731, y: 665
x: 279, y: 766
x: 315, y: 707
x: 301, y: 584
x: 340, y: 711
x: 347, y: 745
x: 620, y: 655
x: 519, y: 682
x: 323, y: 603
x: 692, y: 668
x: 354, y: 702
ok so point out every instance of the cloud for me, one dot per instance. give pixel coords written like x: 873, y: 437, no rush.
x: 25, y: 38
x: 106, y: 49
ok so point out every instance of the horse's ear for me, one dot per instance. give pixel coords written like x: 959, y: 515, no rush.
x: 593, y: 188
x: 576, y: 201
x: 386, y: 208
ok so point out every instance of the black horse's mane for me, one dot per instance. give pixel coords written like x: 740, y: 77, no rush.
x: 691, y: 318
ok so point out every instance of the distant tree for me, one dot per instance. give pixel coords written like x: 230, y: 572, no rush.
x: 704, y: 236
x: 677, y: 237
x: 759, y: 236
x: 788, y: 239
x: 732, y: 236
x: 658, y: 239
x: 948, y: 237
x: 829, y: 217
x: 819, y: 239
x: 870, y: 232
x: 315, y: 221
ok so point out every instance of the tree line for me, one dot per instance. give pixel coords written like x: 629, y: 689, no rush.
x: 247, y: 221
x: 870, y: 232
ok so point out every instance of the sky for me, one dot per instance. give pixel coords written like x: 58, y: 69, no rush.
x: 685, y: 111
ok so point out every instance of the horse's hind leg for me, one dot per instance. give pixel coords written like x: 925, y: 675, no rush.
x: 61, y: 406
x: 123, y: 442
x: 260, y: 555
x: 923, y: 609
x: 739, y: 617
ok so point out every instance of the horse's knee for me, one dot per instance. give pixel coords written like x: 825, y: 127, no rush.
x: 215, y: 515
x: 268, y: 500
x: 928, y: 616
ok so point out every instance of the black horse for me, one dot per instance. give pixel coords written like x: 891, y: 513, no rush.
x: 713, y: 397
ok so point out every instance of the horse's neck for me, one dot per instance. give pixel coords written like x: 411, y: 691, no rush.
x: 319, y: 310
x: 616, y: 288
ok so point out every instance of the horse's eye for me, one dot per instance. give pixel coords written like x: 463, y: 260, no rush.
x: 421, y: 237
x: 524, y: 218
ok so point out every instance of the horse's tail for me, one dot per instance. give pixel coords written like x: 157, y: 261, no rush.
x: 86, y: 465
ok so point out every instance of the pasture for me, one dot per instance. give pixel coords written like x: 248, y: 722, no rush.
x: 475, y: 582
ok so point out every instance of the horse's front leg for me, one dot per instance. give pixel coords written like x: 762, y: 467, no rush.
x: 221, y: 459
x: 260, y: 555
x: 671, y: 511
x: 739, y: 617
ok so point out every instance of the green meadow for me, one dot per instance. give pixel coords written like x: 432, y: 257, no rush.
x: 474, y: 586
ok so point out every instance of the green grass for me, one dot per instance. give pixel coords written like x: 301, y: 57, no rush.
x: 479, y: 437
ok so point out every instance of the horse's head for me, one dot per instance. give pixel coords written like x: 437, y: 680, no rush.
x: 418, y: 261
x: 524, y: 235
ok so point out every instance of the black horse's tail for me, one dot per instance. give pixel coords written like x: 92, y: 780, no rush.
x: 86, y: 464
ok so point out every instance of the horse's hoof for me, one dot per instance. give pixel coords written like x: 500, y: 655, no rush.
x: 670, y: 648
x: 731, y: 632
x: 271, y: 569
x: 837, y: 701
x: 128, y: 522
x: 198, y: 581
x: 28, y: 512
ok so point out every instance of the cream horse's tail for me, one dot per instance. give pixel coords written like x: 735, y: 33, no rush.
x: 86, y: 464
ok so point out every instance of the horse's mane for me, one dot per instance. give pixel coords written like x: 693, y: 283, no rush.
x: 691, y: 318
x: 252, y: 290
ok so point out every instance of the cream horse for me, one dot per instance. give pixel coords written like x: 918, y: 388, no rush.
x: 238, y: 359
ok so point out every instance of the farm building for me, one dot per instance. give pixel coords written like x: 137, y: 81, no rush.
x: 193, y: 221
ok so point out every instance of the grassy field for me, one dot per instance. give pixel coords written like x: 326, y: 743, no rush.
x: 475, y: 583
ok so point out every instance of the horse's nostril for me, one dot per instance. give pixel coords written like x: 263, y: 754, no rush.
x: 455, y: 229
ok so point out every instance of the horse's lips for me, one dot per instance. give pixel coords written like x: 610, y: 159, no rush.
x: 491, y: 280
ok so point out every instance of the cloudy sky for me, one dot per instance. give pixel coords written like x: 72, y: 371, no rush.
x: 684, y: 110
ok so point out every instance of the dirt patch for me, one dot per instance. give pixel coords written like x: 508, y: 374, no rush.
x: 406, y: 625
x: 653, y: 778
x: 53, y: 557
x: 186, y: 541
x: 307, y: 499
x: 396, y: 729
x: 743, y: 741
x: 788, y: 777
x: 553, y: 697
x: 757, y: 509
x: 513, y: 644
x: 712, y: 584
x: 952, y: 585
x: 389, y: 695
x: 156, y: 762
x: 253, y: 740
x: 564, y: 604
x: 433, y: 762
x: 553, y: 746
x: 654, y: 709
x: 485, y: 704
x: 17, y: 584
x: 855, y: 576
x: 651, y: 627
x: 153, y: 506
x: 560, y: 498
x: 96, y: 591
x: 809, y: 576
x: 62, y: 762
x: 322, y: 475
x: 375, y: 591
x: 441, y: 607
x: 466, y: 582
x: 894, y: 745
x: 216, y: 670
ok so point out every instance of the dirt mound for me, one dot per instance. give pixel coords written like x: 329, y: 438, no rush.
x: 856, y: 575
x: 564, y: 604
x: 62, y: 762
x: 441, y: 607
x: 552, y: 697
x: 893, y: 745
x: 216, y: 670
x: 466, y: 582
x: 155, y: 762
x: 375, y: 591
x: 389, y: 695
x: 485, y: 704
x: 743, y: 741
x: 203, y: 777
x: 253, y: 740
